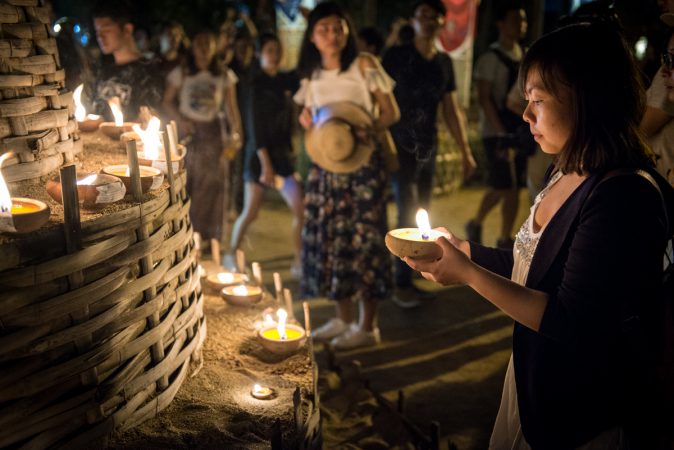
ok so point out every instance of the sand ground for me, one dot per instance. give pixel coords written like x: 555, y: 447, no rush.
x: 449, y: 356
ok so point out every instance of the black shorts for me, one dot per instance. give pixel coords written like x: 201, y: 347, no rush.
x: 506, y: 167
x: 282, y: 165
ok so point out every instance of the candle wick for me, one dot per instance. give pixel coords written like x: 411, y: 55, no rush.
x: 424, y: 236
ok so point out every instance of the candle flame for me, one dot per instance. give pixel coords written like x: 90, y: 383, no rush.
x: 116, y: 108
x: 225, y: 277
x: 150, y: 138
x: 281, y: 327
x: 88, y: 180
x: 5, y: 198
x: 257, y: 388
x: 423, y: 223
x: 80, y: 112
x: 240, y: 290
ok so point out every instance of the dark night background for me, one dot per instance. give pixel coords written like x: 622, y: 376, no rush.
x: 639, y: 17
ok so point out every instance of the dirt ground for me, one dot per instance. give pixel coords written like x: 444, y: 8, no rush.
x: 448, y: 357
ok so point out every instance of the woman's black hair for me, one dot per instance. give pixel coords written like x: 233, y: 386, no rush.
x: 591, y: 66
x: 265, y: 37
x: 215, y: 68
x: 310, y: 58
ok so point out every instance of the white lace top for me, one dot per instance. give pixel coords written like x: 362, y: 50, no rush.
x: 527, y: 239
x: 351, y: 85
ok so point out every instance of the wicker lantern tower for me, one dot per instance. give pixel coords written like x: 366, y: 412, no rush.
x: 100, y: 314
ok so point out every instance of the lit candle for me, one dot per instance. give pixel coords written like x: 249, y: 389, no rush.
x: 241, y: 295
x: 116, y: 109
x: 423, y: 223
x: 418, y: 243
x: 19, y: 215
x: 150, y: 177
x: 282, y: 338
x: 262, y: 392
x: 80, y: 111
x: 223, y: 279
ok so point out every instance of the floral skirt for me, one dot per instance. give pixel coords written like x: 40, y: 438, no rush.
x: 343, y: 250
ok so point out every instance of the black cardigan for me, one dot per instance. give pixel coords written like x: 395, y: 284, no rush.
x: 599, y: 254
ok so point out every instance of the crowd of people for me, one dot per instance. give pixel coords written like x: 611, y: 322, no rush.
x: 586, y: 260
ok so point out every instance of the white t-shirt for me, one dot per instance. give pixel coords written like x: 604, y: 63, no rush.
x: 201, y: 95
x: 490, y: 68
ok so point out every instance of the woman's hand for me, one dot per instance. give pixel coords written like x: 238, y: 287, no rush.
x: 305, y: 118
x: 267, y: 176
x: 453, y: 267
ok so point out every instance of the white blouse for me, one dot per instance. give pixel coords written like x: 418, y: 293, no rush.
x: 351, y: 85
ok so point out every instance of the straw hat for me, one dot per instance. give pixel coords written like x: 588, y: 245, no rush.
x: 332, y: 142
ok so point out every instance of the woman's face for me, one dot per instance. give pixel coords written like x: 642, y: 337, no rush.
x: 203, y: 49
x: 330, y: 34
x: 549, y: 118
x: 270, y: 55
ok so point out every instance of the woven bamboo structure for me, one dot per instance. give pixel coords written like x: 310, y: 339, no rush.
x: 35, y: 109
x: 98, y: 339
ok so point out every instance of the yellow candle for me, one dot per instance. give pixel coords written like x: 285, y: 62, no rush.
x: 24, y: 208
x: 272, y: 333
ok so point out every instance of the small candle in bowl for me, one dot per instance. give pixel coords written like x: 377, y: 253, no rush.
x: 223, y: 279
x: 241, y: 295
x: 93, y: 190
x: 150, y: 178
x: 19, y: 214
x: 262, y: 392
x: 417, y: 243
x: 284, y: 337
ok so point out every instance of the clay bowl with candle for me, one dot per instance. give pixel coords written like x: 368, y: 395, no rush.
x: 93, y: 190
x: 241, y: 295
x: 217, y: 281
x: 27, y: 215
x: 88, y: 125
x: 409, y: 242
x: 114, y: 131
x: 150, y: 178
x: 271, y: 340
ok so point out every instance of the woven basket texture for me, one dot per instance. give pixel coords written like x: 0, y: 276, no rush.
x: 36, y: 110
x: 100, y: 339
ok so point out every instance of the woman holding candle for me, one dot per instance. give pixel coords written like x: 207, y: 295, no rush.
x: 582, y: 281
x: 343, y: 254
x: 197, y: 93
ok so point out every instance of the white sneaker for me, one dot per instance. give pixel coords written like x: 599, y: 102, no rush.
x: 330, y: 329
x: 355, y: 337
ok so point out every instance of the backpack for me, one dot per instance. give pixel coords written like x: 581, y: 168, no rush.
x: 521, y: 137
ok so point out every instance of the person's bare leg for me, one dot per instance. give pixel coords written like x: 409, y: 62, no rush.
x: 294, y: 198
x: 489, y: 200
x: 511, y: 202
x: 252, y: 199
x: 345, y: 310
x: 368, y: 315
